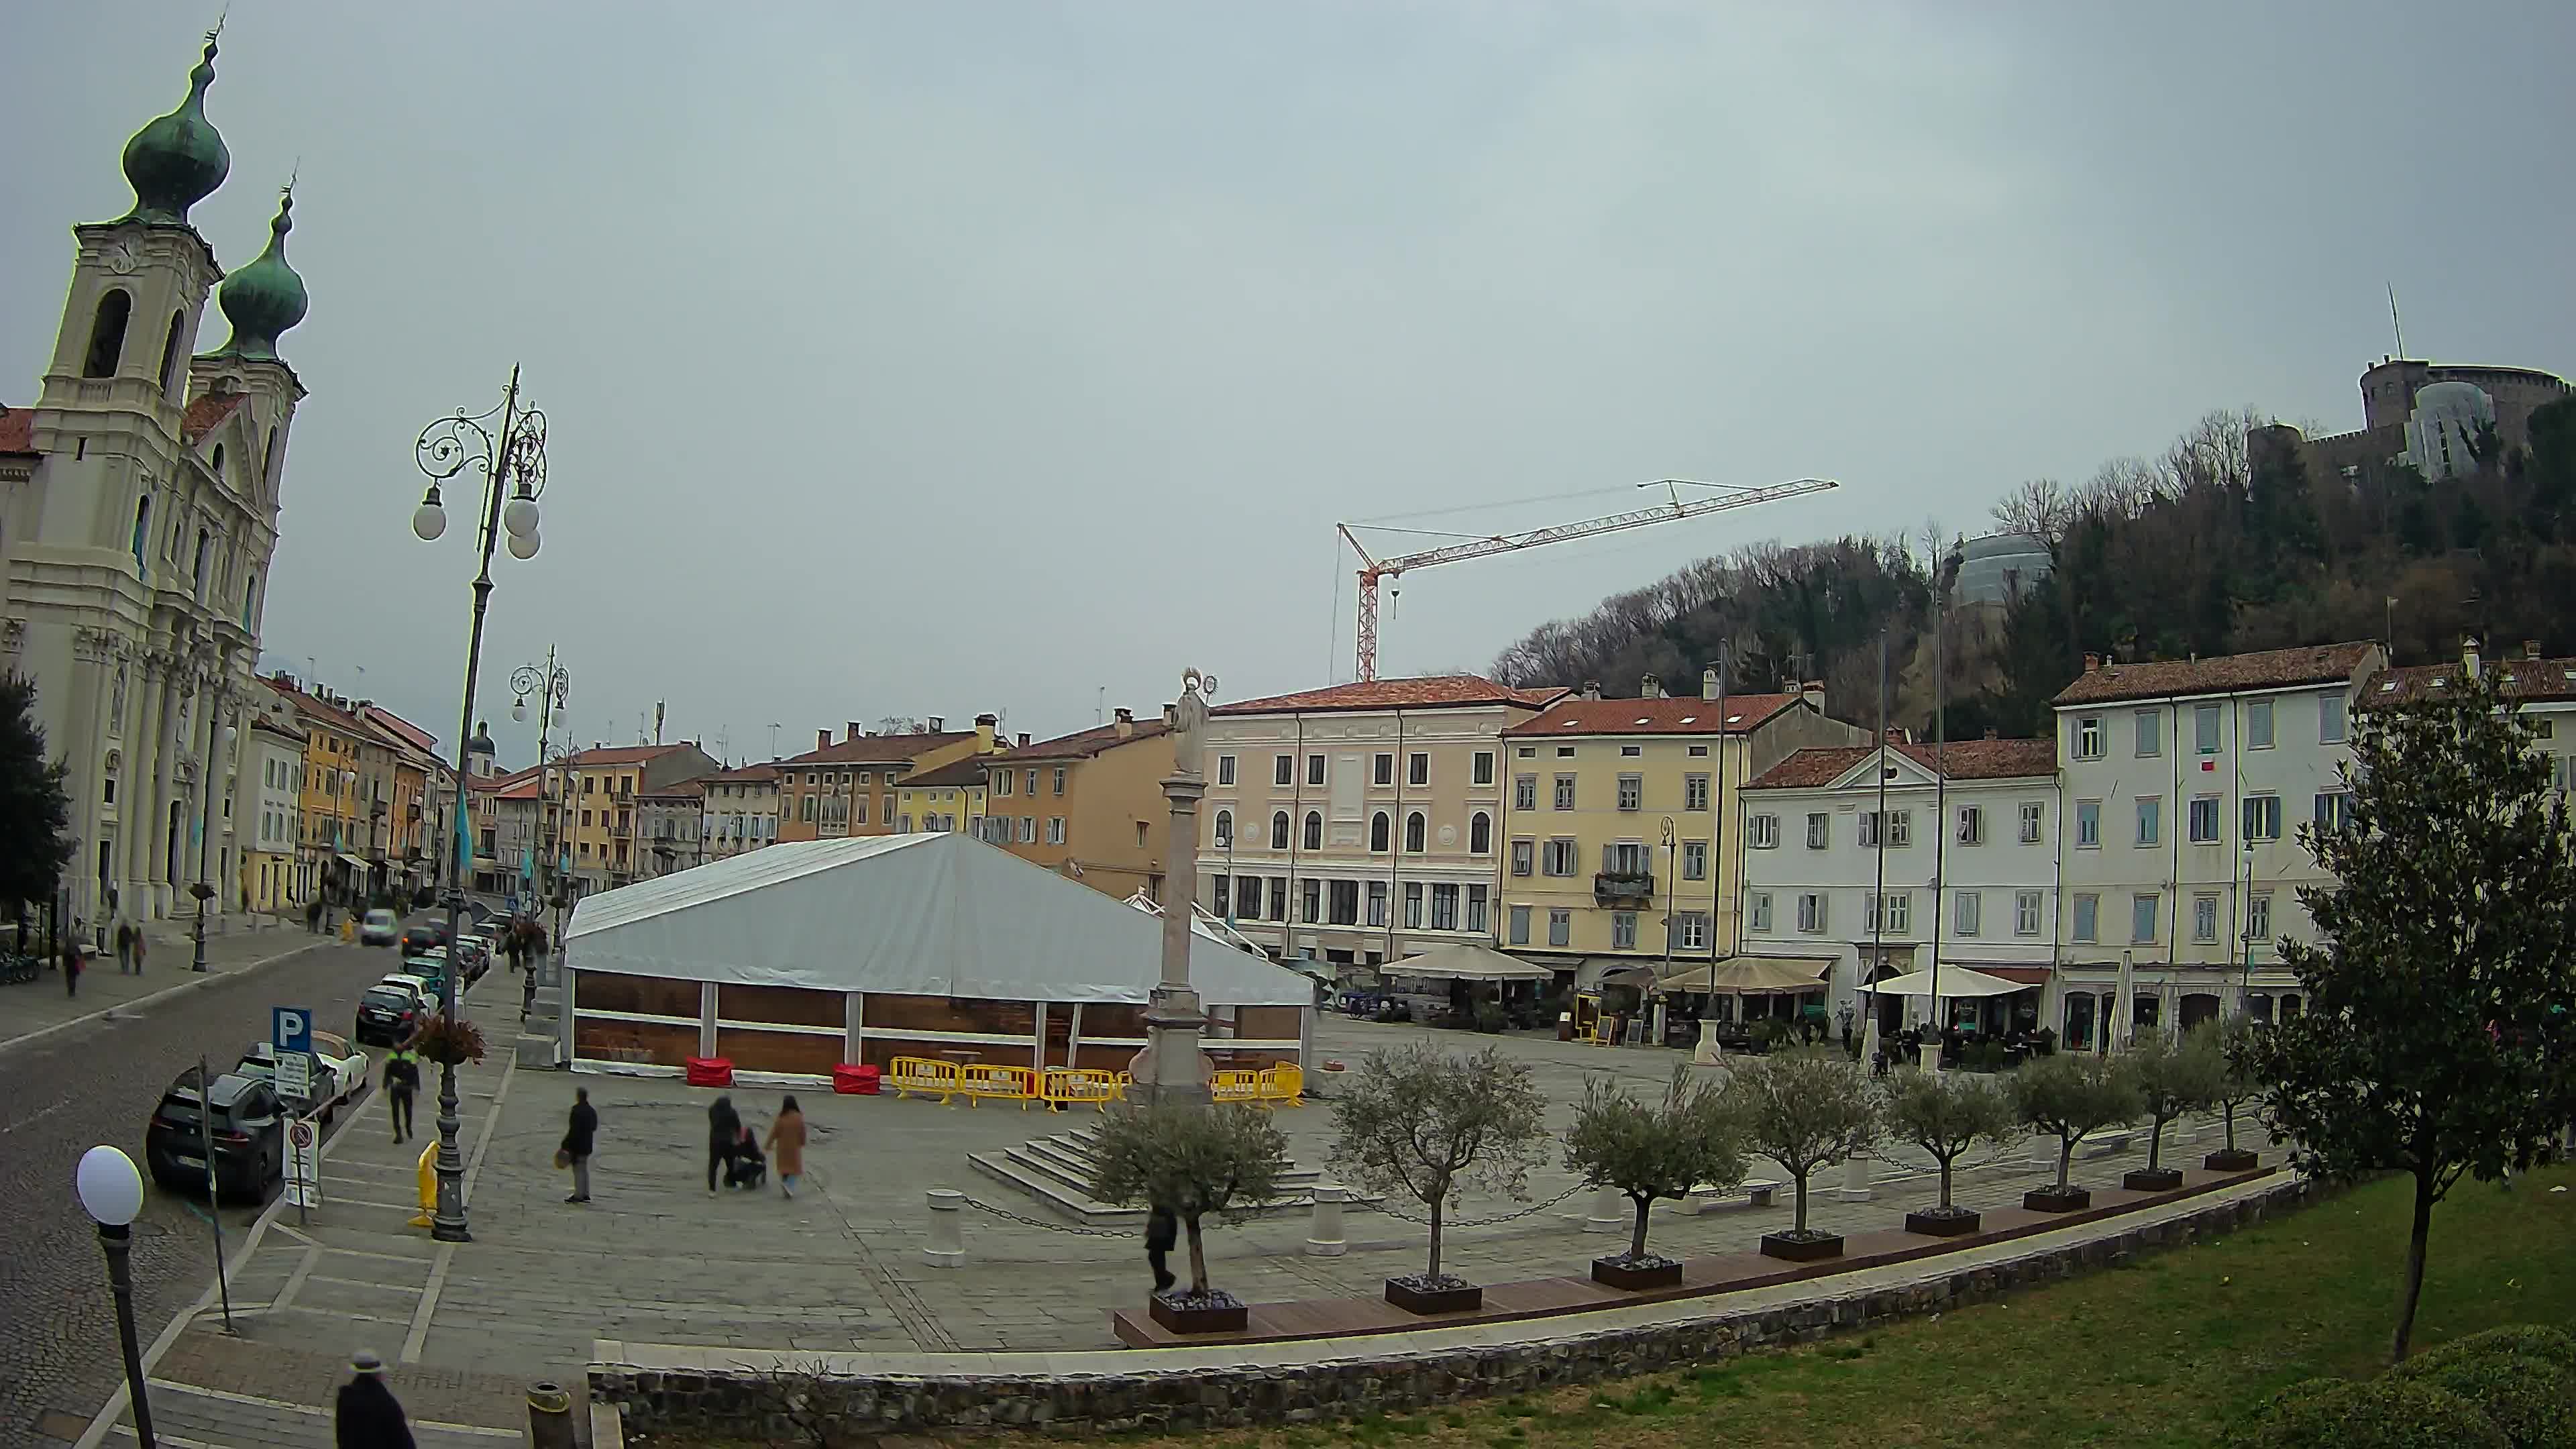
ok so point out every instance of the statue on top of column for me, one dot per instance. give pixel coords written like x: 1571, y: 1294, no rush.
x: 1189, y: 722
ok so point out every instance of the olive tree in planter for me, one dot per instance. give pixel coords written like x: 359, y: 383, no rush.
x: 2071, y: 1098
x: 2173, y: 1077
x: 1653, y: 1151
x: 1193, y: 1161
x: 1425, y: 1123
x: 1946, y: 1114
x: 1804, y: 1113
x: 2238, y: 1084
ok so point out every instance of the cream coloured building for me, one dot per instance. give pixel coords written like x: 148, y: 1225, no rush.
x: 138, y: 514
x: 1360, y: 823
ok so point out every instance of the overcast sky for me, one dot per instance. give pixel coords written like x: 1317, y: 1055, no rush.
x: 931, y: 359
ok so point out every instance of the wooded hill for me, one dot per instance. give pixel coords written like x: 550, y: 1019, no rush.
x: 2206, y: 549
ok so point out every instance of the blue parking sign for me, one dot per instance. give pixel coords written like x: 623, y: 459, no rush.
x: 291, y: 1028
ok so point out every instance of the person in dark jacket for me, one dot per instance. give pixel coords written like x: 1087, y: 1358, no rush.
x: 369, y: 1417
x: 1162, y: 1231
x: 580, y: 1137
x: 749, y: 1167
x: 402, y: 1078
x: 724, y: 1138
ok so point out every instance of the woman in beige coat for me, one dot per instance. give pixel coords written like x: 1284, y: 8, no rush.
x: 786, y: 1143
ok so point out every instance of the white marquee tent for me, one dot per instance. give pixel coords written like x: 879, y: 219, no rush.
x: 924, y: 914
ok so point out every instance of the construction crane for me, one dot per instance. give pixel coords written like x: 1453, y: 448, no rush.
x: 1374, y: 569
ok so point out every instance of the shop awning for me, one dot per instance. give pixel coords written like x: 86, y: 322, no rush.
x: 1955, y: 981
x: 1752, y: 976
x: 1627, y: 976
x: 1467, y: 962
x: 351, y: 861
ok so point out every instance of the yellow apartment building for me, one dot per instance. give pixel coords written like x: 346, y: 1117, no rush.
x: 850, y: 788
x: 1088, y: 805
x: 947, y: 797
x: 1619, y: 824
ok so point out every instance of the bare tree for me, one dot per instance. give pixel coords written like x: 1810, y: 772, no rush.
x: 2040, y: 508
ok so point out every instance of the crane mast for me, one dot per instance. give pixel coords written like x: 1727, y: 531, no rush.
x: 1373, y: 569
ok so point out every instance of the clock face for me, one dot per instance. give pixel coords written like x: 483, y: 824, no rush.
x: 121, y: 258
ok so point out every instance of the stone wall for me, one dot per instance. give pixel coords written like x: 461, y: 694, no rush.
x: 748, y: 1403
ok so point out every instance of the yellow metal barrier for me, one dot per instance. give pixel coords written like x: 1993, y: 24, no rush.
x: 930, y: 1076
x: 979, y: 1080
x: 1236, y: 1084
x: 1283, y: 1083
x: 1069, y: 1086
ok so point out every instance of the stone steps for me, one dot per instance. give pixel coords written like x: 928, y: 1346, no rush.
x: 1057, y: 1172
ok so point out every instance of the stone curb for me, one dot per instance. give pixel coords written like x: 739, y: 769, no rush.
x: 781, y: 1398
x: 194, y: 982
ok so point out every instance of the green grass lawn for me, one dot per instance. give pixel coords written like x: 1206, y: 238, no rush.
x: 2162, y: 1352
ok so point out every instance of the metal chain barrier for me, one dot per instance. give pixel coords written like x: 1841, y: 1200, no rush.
x: 1028, y: 1222
x: 1448, y: 1223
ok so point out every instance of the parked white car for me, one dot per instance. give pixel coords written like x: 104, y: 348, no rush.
x: 339, y: 1070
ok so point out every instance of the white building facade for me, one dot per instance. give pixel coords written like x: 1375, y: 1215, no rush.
x: 2184, y: 783
x: 741, y: 811
x: 272, y: 810
x: 138, y: 515
x: 1961, y: 867
x: 1290, y: 850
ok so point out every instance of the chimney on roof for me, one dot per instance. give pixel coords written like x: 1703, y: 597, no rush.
x: 1592, y: 689
x: 1650, y: 687
x: 985, y: 727
x: 1813, y: 691
x: 822, y: 739
x: 2530, y: 648
x: 2092, y: 663
x: 938, y: 724
x: 1708, y: 685
x: 851, y: 730
x: 1023, y: 738
x: 2469, y: 655
x: 1124, y: 723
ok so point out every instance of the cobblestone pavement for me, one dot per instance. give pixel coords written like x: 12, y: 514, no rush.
x: 655, y: 1258
x: 97, y: 1082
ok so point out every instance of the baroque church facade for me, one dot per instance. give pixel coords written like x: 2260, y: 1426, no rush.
x: 138, y: 517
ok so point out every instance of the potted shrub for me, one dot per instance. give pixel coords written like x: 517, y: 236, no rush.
x: 1649, y: 1152
x: 1194, y: 1161
x: 2173, y: 1077
x: 1945, y: 1114
x: 1427, y: 1124
x: 2071, y: 1098
x: 1804, y: 1113
x: 2238, y: 1084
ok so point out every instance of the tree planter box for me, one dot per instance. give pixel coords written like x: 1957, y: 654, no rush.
x: 2152, y: 1179
x: 1218, y: 1312
x: 1413, y: 1295
x: 1933, y: 1222
x: 1647, y: 1272
x: 2050, y: 1200
x: 2231, y: 1159
x: 1802, y: 1250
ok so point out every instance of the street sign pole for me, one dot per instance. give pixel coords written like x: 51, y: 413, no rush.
x: 214, y: 1187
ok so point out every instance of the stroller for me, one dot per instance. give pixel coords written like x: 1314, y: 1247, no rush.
x: 748, y: 1169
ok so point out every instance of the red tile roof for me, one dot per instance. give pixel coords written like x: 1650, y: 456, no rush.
x: 877, y: 749
x: 1961, y: 759
x: 17, y: 430
x: 2524, y: 679
x: 2267, y: 669
x: 273, y: 727
x: 620, y: 755
x: 968, y: 771
x: 207, y: 412
x: 329, y: 714
x: 1083, y: 744
x: 765, y: 773
x: 1437, y: 691
x: 419, y: 738
x: 1693, y: 716
x: 686, y: 789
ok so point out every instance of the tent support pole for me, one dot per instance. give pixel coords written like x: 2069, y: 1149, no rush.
x: 1073, y: 1038
x: 1037, y: 1050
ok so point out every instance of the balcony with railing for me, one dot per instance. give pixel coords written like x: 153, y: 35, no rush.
x: 1623, y: 886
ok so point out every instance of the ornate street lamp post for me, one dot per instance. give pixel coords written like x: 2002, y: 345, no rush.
x: 513, y: 465
x: 1173, y: 1019
x: 111, y: 1192
x: 552, y: 686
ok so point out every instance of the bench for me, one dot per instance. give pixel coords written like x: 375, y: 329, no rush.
x: 1759, y: 1192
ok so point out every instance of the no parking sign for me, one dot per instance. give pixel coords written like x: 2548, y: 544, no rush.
x: 303, y: 1163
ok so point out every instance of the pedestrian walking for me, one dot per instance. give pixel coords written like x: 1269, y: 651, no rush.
x: 369, y: 1416
x: 124, y: 947
x: 1162, y: 1231
x: 313, y: 915
x: 581, y: 1135
x: 71, y: 969
x: 724, y: 1134
x: 787, y: 1146
x: 402, y: 1078
x: 139, y: 944
x: 1847, y: 1026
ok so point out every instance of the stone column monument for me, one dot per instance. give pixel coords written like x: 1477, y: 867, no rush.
x: 1173, y: 1019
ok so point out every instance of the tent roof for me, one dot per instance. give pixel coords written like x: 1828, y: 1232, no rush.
x: 1955, y: 981
x: 925, y: 914
x: 1467, y: 961
x: 1752, y: 976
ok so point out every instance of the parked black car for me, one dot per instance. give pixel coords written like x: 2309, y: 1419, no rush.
x: 427, y: 936
x: 249, y: 1135
x: 387, y: 1016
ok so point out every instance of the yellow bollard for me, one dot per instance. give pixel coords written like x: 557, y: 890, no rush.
x: 428, y: 1185
x: 348, y: 932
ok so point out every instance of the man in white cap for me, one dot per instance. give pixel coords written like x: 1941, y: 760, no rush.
x: 369, y: 1417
